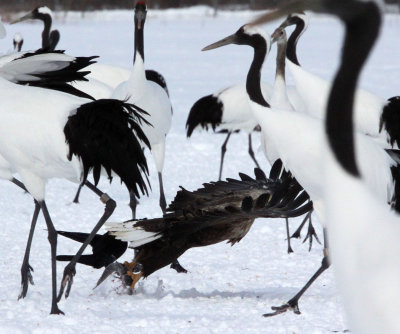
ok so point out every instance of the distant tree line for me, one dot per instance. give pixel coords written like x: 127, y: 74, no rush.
x: 7, y: 6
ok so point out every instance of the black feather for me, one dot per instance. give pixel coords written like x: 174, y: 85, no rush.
x: 260, y: 175
x: 60, y: 79
x: 205, y: 112
x: 276, y: 170
x: 157, y: 78
x: 245, y: 177
x: 247, y: 204
x: 390, y: 120
x: 223, y: 210
x: 105, y: 248
x: 107, y: 133
x: 262, y: 201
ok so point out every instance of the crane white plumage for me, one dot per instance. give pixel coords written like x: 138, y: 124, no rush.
x: 363, y: 233
x: 45, y: 134
x: 278, y: 127
x: 367, y: 270
x: 150, y: 96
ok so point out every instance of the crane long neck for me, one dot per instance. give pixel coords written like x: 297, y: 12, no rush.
x: 253, y: 82
x: 46, y: 31
x: 281, y: 61
x: 139, y: 42
x: 291, y: 52
x: 361, y: 33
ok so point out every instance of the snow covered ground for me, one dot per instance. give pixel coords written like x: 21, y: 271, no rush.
x: 227, y: 288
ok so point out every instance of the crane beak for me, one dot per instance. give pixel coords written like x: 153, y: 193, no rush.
x: 232, y: 39
x: 284, y: 24
x: 289, y: 8
x: 28, y: 16
x: 140, y: 17
x: 275, y: 35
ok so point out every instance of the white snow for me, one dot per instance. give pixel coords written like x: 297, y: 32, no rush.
x: 227, y: 288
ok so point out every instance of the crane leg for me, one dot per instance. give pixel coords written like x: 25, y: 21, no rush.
x: 290, y: 249
x: 293, y: 303
x: 52, y: 236
x: 223, y: 151
x: 251, y: 152
x: 133, y: 203
x: 297, y: 233
x: 69, y: 271
x: 26, y: 268
x: 163, y: 204
x: 76, y: 198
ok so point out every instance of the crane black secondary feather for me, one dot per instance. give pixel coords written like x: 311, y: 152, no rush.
x: 116, y: 149
x: 105, y: 248
x: 226, y: 111
x: 58, y: 74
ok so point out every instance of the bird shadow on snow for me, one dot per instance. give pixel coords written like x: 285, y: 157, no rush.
x: 160, y: 293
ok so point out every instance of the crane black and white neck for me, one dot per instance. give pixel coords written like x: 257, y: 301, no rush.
x: 300, y: 20
x: 150, y: 96
x: 50, y: 38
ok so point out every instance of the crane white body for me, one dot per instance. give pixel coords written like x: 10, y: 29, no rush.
x: 32, y: 137
x: 297, y: 139
x: 151, y: 97
x: 314, y: 91
x: 109, y: 75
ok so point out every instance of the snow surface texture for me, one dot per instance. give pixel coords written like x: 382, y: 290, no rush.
x: 227, y: 288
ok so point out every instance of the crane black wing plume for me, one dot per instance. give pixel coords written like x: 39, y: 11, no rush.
x: 48, y: 70
x: 106, y: 249
x: 158, y: 79
x: 107, y: 134
x: 206, y: 112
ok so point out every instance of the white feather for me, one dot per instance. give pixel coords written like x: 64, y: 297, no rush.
x: 108, y: 74
x: 314, y: 91
x: 284, y: 130
x: 136, y: 236
x: 364, y: 239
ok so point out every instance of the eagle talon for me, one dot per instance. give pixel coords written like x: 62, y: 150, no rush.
x: 134, y: 272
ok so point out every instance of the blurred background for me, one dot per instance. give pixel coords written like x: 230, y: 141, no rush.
x: 7, y: 6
